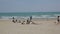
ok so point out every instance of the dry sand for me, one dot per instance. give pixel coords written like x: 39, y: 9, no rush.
x: 42, y: 27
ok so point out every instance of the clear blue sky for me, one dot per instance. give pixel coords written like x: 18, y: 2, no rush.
x: 29, y: 5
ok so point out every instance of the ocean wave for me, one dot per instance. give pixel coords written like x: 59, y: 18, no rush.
x: 25, y: 17
x: 6, y: 17
x: 56, y: 15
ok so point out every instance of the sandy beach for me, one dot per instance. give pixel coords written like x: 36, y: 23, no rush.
x: 42, y: 27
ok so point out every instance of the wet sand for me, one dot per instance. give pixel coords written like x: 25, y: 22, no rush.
x: 41, y: 27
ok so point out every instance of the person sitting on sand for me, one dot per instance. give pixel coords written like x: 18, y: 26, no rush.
x: 28, y: 21
x: 23, y: 22
x: 13, y: 20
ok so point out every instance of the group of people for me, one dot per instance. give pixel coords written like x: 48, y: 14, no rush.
x: 28, y: 21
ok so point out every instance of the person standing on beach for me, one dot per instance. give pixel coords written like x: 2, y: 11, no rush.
x: 13, y: 18
x: 30, y: 18
x: 58, y: 19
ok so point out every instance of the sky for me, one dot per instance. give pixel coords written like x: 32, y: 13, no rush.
x: 29, y: 5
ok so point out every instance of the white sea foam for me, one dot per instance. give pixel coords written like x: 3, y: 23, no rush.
x: 45, y: 16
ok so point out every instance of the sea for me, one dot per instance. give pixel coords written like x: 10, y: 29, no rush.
x: 28, y: 14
